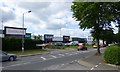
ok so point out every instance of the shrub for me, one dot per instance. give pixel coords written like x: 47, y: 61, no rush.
x: 112, y: 55
x: 14, y: 44
x: 55, y: 47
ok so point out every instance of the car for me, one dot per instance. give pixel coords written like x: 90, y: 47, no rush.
x: 82, y: 47
x: 67, y: 44
x: 7, y: 57
x: 59, y: 44
x: 94, y: 46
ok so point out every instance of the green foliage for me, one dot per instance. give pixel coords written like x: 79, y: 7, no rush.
x: 117, y: 38
x: 55, y: 47
x: 96, y: 16
x: 13, y: 44
x: 112, y: 55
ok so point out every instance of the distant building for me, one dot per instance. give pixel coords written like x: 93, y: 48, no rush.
x: 14, y: 32
x: 80, y: 40
x: 89, y: 40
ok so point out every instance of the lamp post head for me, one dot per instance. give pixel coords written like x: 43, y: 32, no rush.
x: 29, y: 11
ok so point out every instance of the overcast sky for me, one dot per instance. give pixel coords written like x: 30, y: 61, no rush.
x: 46, y: 17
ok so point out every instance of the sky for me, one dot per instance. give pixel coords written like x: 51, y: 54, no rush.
x: 46, y: 17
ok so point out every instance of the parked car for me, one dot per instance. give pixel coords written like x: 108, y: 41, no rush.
x: 67, y: 44
x: 7, y: 57
x: 75, y: 43
x: 82, y: 47
x: 59, y: 44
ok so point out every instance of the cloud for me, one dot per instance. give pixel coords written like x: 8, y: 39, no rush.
x: 45, y: 18
x: 34, y: 6
x: 7, y: 14
x: 47, y: 12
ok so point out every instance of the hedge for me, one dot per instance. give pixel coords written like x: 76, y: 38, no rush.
x: 55, y: 47
x: 14, y: 44
x: 112, y: 55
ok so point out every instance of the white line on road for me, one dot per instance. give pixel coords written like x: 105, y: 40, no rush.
x: 96, y: 66
x: 16, y: 65
x: 66, y: 53
x: 92, y: 68
x: 76, y: 53
x: 27, y: 63
x: 73, y: 52
x: 61, y: 54
x: 43, y: 58
x: 70, y: 54
x: 53, y: 56
x: 62, y: 64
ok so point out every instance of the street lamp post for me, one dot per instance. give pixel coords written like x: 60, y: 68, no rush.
x: 23, y: 32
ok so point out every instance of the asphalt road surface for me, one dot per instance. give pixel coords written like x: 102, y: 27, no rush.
x: 48, y: 61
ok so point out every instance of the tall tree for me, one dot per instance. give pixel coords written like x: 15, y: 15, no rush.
x: 94, y: 15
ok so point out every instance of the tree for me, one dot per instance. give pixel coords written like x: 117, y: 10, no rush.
x: 108, y: 36
x: 95, y: 15
x: 39, y: 37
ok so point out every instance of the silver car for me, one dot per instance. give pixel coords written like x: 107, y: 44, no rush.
x: 5, y: 56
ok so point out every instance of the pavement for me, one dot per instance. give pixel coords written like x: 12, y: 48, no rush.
x: 95, y: 62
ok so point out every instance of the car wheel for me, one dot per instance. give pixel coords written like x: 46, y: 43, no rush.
x: 11, y: 58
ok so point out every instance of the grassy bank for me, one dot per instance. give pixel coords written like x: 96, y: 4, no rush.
x: 33, y: 51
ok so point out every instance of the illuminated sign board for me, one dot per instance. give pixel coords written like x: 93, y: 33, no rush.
x: 66, y: 38
x: 15, y: 31
x: 48, y: 38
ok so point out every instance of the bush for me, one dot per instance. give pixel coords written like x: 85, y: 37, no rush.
x: 112, y: 55
x: 15, y: 44
x: 55, y: 47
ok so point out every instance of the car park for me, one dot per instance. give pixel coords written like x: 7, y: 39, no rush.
x: 7, y: 57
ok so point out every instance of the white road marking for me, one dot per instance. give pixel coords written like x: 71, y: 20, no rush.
x: 79, y: 51
x: 66, y: 53
x: 16, y: 65
x: 73, y: 52
x: 76, y: 53
x: 62, y: 64
x: 96, y: 66
x: 53, y: 56
x: 76, y: 61
x: 92, y: 68
x: 43, y: 58
x: 27, y: 63
x: 70, y: 54
x: 61, y: 54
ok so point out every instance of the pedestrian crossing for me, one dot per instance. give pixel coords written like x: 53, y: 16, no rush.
x: 59, y: 55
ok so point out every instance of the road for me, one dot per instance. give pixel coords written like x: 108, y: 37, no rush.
x: 48, y: 61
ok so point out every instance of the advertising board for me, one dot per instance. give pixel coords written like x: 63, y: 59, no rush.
x: 15, y: 31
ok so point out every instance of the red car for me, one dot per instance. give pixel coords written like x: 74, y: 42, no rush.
x: 82, y: 47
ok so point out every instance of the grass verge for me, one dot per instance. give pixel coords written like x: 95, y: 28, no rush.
x: 35, y: 51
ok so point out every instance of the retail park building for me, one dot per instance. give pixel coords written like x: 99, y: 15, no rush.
x: 21, y: 32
